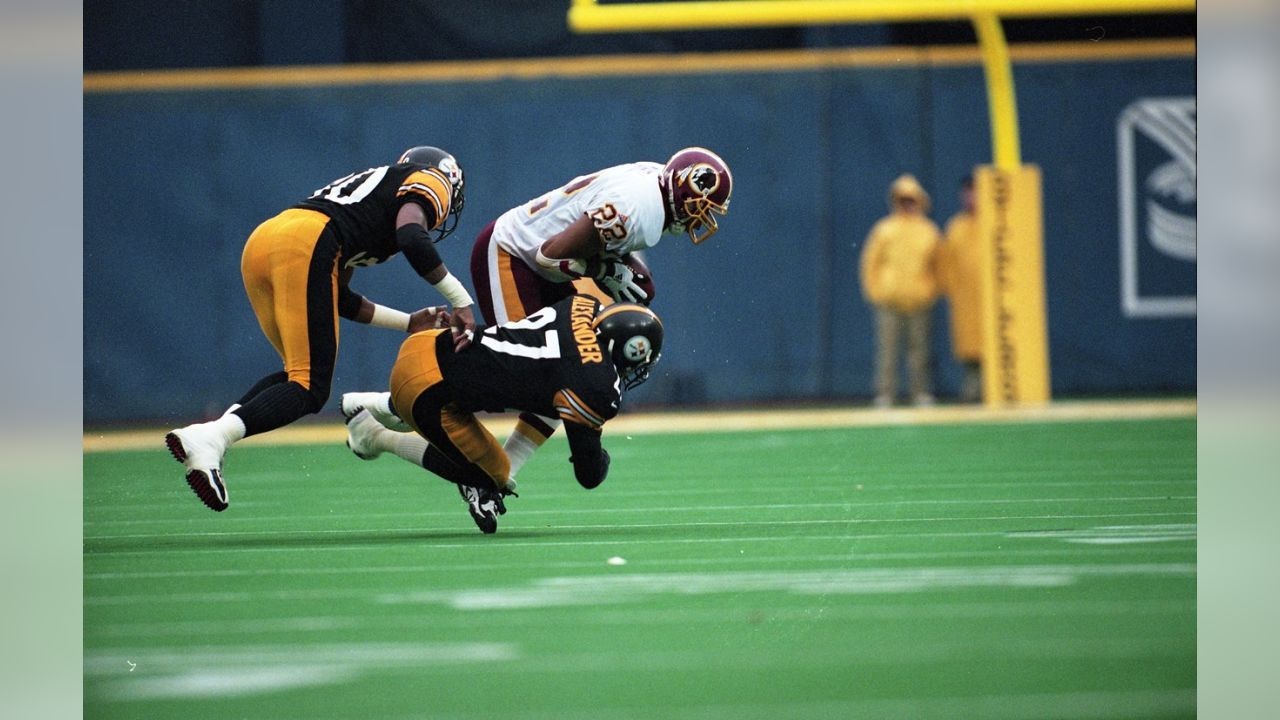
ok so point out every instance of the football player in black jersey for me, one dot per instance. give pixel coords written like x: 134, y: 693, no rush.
x: 296, y: 268
x: 571, y: 360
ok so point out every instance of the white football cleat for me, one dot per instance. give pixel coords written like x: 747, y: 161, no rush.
x: 354, y: 402
x: 200, y: 447
x: 378, y: 404
x: 362, y: 435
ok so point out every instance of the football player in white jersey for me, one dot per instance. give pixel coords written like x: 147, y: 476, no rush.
x: 578, y: 235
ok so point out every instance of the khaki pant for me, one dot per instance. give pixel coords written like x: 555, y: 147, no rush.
x: 971, y: 385
x: 892, y: 327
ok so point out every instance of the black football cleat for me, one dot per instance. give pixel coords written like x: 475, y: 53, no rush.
x: 484, y: 506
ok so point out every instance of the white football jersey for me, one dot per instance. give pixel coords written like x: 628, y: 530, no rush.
x: 624, y: 201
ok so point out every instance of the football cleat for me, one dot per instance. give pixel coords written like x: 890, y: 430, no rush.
x: 354, y: 402
x: 378, y: 404
x: 207, y: 485
x: 485, y: 507
x: 362, y: 433
x: 200, y: 448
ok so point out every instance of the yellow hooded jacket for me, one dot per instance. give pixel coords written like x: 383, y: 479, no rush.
x: 899, y: 261
x: 959, y: 263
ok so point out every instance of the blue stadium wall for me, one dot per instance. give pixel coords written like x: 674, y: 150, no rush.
x: 769, y: 310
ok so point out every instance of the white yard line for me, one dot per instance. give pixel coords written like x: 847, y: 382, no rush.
x: 472, y: 564
x: 428, y: 541
x: 834, y: 504
x: 195, y: 671
x: 619, y: 526
x: 606, y: 587
x: 415, y: 618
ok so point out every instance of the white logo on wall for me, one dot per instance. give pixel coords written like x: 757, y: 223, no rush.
x: 1157, y: 200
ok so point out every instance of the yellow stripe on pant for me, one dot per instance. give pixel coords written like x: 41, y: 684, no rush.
x: 507, y: 288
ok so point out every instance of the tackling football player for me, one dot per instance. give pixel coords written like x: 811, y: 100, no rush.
x: 558, y: 243
x: 571, y: 360
x: 296, y: 269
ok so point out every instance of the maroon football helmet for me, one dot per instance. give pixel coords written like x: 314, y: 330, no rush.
x: 696, y: 183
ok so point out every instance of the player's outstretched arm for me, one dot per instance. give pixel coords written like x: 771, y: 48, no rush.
x: 590, y: 460
x: 356, y: 307
x: 415, y: 243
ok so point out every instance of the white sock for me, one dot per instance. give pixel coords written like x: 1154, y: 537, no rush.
x: 380, y: 409
x: 229, y: 427
x: 408, y: 446
x: 519, y: 449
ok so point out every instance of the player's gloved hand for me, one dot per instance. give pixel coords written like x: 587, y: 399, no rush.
x: 464, y: 327
x: 429, y: 318
x: 619, y: 281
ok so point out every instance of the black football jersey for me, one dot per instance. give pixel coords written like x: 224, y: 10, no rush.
x: 363, y: 206
x: 550, y: 363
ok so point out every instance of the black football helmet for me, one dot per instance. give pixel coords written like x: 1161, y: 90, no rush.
x: 448, y: 165
x: 632, y: 335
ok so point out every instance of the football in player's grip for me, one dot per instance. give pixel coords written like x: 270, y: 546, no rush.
x: 628, y: 279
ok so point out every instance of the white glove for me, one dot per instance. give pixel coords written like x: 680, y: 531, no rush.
x: 620, y: 281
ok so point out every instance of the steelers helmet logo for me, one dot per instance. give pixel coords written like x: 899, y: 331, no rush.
x: 450, y: 168
x: 636, y: 349
x: 703, y: 179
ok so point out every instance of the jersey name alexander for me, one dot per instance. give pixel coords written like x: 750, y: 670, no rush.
x: 581, y: 312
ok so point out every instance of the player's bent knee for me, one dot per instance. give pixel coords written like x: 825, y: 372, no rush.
x: 319, y: 392
x: 318, y: 398
x: 313, y: 398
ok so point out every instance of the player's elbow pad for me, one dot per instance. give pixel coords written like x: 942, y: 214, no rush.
x: 418, y: 248
x: 591, y: 471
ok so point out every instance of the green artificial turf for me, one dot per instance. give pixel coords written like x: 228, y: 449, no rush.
x: 951, y: 571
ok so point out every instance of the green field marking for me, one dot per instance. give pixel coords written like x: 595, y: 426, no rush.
x: 992, y: 570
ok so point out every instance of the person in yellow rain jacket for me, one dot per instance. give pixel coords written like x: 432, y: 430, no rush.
x: 959, y: 272
x: 900, y: 279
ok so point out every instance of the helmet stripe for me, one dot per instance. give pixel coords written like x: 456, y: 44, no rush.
x: 623, y: 307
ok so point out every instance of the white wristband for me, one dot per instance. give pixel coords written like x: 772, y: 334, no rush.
x: 454, y: 292
x: 390, y: 318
